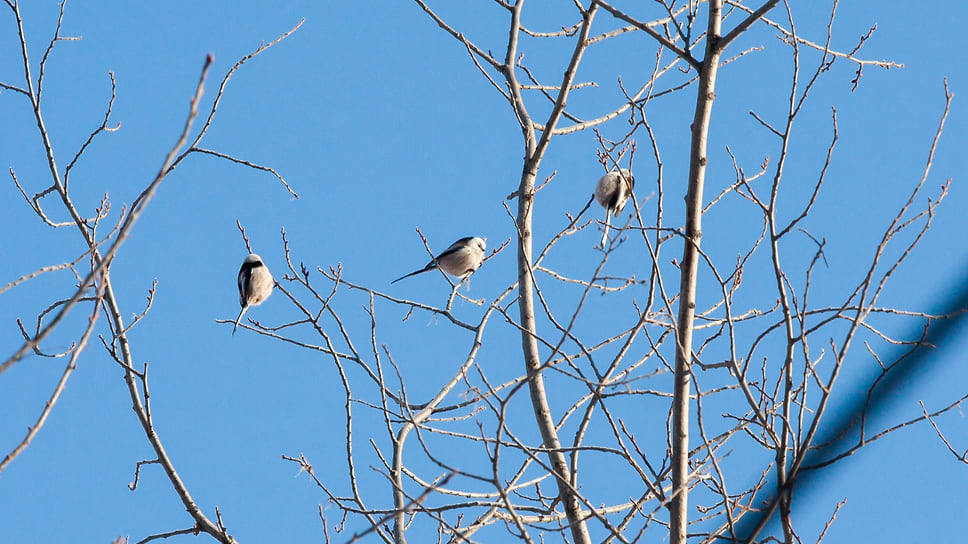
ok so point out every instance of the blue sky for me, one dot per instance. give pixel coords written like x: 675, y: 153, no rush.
x: 380, y: 122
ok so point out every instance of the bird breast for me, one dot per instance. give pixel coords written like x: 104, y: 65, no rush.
x: 260, y: 285
x: 611, y: 191
x: 463, y: 261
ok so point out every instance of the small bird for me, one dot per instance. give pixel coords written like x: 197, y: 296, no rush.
x: 255, y: 284
x: 612, y: 191
x: 461, y: 259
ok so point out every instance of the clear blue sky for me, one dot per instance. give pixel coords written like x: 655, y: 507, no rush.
x: 380, y: 122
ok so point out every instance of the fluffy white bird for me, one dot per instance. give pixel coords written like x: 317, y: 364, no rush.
x: 612, y: 191
x: 461, y: 259
x: 255, y: 284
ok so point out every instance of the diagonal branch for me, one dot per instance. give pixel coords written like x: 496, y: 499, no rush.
x: 647, y: 28
x: 745, y: 24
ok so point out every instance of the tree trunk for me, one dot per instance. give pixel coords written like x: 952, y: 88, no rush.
x: 678, y: 519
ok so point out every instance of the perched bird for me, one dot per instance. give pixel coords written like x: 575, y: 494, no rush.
x: 461, y: 259
x: 255, y: 284
x: 612, y: 191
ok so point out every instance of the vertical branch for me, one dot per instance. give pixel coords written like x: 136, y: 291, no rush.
x: 399, y: 499
x: 524, y: 221
x: 785, y: 294
x: 689, y: 270
x: 141, y: 408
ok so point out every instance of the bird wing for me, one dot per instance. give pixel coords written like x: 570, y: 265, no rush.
x: 243, y: 283
x: 455, y: 247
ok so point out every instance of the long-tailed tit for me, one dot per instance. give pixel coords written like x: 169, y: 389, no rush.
x: 612, y: 191
x: 461, y: 259
x: 255, y: 284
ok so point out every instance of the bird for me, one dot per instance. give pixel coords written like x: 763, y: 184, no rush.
x: 612, y: 191
x: 461, y: 259
x: 255, y: 284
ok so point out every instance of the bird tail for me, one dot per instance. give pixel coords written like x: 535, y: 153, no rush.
x: 430, y: 266
x: 608, y: 215
x: 238, y: 319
